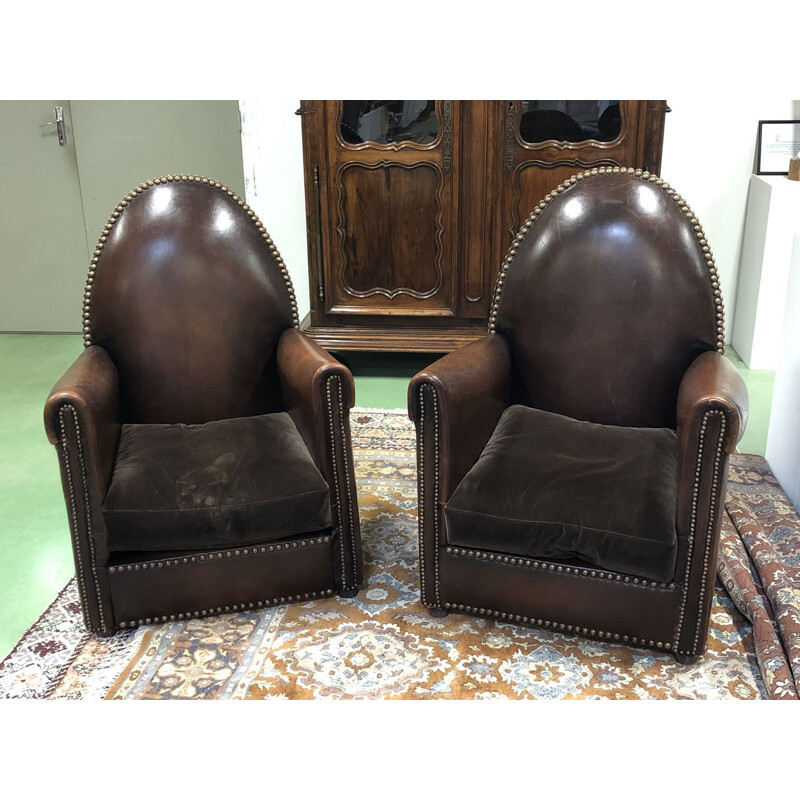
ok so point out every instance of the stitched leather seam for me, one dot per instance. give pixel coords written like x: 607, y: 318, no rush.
x: 711, y: 518
x: 571, y: 525
x: 243, y: 552
x: 238, y: 607
x: 693, y: 524
x: 421, y: 492
x: 334, y: 461
x: 348, y: 485
x: 421, y: 495
x: 559, y: 626
x: 76, y: 541
x: 436, y: 509
x: 87, y: 294
x: 87, y: 507
x: 530, y: 562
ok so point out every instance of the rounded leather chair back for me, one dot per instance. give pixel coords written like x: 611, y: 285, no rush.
x: 607, y: 295
x: 189, y: 296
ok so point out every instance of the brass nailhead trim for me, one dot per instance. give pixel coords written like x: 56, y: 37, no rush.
x: 122, y: 205
x: 76, y: 543
x: 649, y: 178
x: 693, y: 527
x: 74, y: 517
x: 421, y: 496
x: 711, y: 516
x: 218, y: 554
x: 335, y: 460
x: 349, y: 484
x: 559, y: 626
x: 529, y: 563
x: 206, y: 612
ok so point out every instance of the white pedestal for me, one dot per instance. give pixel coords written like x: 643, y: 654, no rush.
x: 773, y: 209
x: 783, y: 437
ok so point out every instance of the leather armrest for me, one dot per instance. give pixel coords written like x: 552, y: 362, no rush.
x: 307, y: 374
x: 90, y: 388
x: 712, y: 383
x: 318, y: 393
x: 471, y: 387
x: 711, y: 417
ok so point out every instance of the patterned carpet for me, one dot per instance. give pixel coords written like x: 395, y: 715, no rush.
x: 380, y: 644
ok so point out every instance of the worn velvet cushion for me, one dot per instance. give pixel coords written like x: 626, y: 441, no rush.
x: 225, y: 483
x: 552, y: 487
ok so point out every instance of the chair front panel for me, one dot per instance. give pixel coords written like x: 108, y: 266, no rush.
x: 189, y: 297
x: 608, y: 298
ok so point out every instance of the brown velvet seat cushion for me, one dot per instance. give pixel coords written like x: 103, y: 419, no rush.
x: 552, y: 487
x: 225, y: 483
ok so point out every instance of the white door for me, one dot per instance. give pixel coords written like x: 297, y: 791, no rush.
x: 56, y: 200
x: 44, y: 253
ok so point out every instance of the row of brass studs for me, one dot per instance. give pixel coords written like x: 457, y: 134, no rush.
x: 436, y: 511
x: 558, y: 626
x: 347, y: 486
x: 87, y: 504
x: 644, y: 175
x: 711, y: 515
x: 335, y: 462
x: 76, y: 538
x: 225, y: 609
x: 545, y: 566
x: 421, y: 504
x: 421, y: 495
x: 246, y: 551
x: 87, y: 294
x: 693, y: 521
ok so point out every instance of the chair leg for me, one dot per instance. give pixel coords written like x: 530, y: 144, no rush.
x: 348, y: 592
x: 438, y: 612
x: 681, y: 659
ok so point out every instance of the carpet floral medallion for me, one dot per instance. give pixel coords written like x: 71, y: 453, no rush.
x: 381, y: 644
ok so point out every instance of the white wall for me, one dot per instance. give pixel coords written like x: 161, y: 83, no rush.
x: 783, y: 437
x: 272, y: 154
x: 709, y: 156
x: 709, y: 149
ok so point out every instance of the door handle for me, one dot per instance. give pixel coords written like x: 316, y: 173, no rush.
x: 60, y: 126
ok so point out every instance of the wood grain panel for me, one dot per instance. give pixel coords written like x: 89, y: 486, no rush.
x: 406, y: 240
x: 533, y: 180
x: 390, y: 231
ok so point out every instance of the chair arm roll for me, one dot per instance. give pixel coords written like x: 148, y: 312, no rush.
x: 91, y: 388
x: 712, y: 383
x: 471, y: 387
x: 307, y: 374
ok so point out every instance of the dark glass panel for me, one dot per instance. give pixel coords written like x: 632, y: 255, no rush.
x: 385, y: 121
x: 569, y: 120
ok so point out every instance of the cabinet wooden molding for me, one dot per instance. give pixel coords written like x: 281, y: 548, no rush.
x: 411, y: 205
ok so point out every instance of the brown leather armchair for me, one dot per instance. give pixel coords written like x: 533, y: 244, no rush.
x: 573, y: 464
x: 204, y: 442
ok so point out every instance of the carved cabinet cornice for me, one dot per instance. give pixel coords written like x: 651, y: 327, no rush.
x: 411, y: 205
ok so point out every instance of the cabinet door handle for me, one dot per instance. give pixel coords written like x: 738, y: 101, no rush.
x: 318, y: 204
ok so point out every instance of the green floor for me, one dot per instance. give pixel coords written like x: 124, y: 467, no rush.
x: 35, y: 554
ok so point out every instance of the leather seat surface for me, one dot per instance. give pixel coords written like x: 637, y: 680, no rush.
x: 223, y: 483
x: 548, y: 486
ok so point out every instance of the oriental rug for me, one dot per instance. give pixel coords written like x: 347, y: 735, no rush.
x: 382, y: 644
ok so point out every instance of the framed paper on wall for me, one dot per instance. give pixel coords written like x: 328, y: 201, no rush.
x: 778, y: 141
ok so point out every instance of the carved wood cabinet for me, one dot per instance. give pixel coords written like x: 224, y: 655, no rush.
x: 411, y: 205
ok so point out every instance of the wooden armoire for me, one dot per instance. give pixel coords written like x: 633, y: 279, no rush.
x: 412, y: 204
